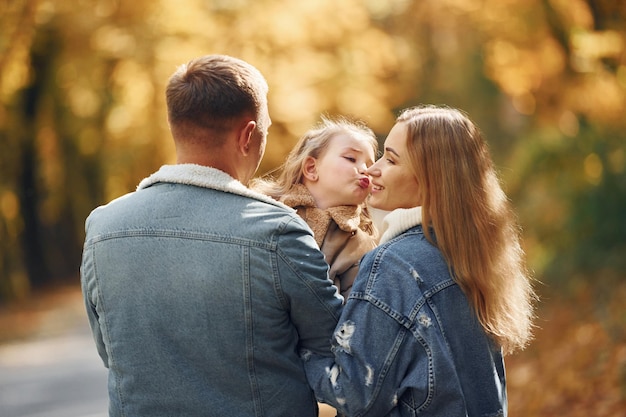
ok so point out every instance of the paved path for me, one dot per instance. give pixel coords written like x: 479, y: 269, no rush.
x: 55, y: 372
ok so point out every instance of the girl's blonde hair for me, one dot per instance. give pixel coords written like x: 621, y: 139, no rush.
x: 313, y: 143
x: 473, y: 222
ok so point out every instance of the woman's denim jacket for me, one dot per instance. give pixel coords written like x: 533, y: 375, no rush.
x: 200, y: 294
x: 408, y: 342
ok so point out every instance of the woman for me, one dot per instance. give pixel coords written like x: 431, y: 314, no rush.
x: 445, y: 295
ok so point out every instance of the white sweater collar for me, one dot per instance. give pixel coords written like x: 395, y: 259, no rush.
x: 398, y: 221
x: 207, y: 177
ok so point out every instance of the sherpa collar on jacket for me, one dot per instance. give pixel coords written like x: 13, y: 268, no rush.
x: 398, y: 221
x: 348, y: 218
x: 207, y: 177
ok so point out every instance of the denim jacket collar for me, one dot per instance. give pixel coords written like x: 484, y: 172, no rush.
x: 207, y: 177
x: 398, y: 221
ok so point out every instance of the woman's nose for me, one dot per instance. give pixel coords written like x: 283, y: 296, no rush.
x: 372, y: 171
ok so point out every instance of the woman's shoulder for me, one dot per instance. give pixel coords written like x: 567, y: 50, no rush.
x: 400, y: 274
x: 407, y: 243
x: 410, y: 254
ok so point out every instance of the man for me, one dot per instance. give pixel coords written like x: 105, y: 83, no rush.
x: 200, y: 292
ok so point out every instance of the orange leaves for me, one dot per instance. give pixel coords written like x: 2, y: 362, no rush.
x: 576, y: 365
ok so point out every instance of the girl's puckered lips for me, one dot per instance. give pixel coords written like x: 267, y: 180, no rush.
x: 364, y: 182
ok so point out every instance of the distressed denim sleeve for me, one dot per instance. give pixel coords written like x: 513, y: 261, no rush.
x: 376, y: 360
x: 312, y: 299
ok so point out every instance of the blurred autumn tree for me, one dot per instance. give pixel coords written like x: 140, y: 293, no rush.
x: 82, y: 119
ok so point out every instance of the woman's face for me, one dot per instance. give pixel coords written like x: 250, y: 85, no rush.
x: 393, y: 183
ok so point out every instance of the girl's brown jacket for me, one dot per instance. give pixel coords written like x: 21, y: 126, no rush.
x: 344, y: 234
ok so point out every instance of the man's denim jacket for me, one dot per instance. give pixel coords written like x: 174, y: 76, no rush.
x: 408, y: 342
x: 199, y: 293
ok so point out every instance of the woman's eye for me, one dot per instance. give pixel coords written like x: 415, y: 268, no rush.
x: 349, y: 158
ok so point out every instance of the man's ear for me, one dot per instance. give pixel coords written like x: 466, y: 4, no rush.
x: 245, y: 137
x: 309, y: 168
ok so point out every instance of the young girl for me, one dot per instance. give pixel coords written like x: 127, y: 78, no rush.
x: 324, y: 178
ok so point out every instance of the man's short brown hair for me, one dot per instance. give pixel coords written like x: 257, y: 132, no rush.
x: 211, y: 92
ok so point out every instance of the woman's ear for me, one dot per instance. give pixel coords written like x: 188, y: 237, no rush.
x: 309, y: 168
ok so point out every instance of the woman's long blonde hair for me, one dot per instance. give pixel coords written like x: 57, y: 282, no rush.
x: 474, y: 224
